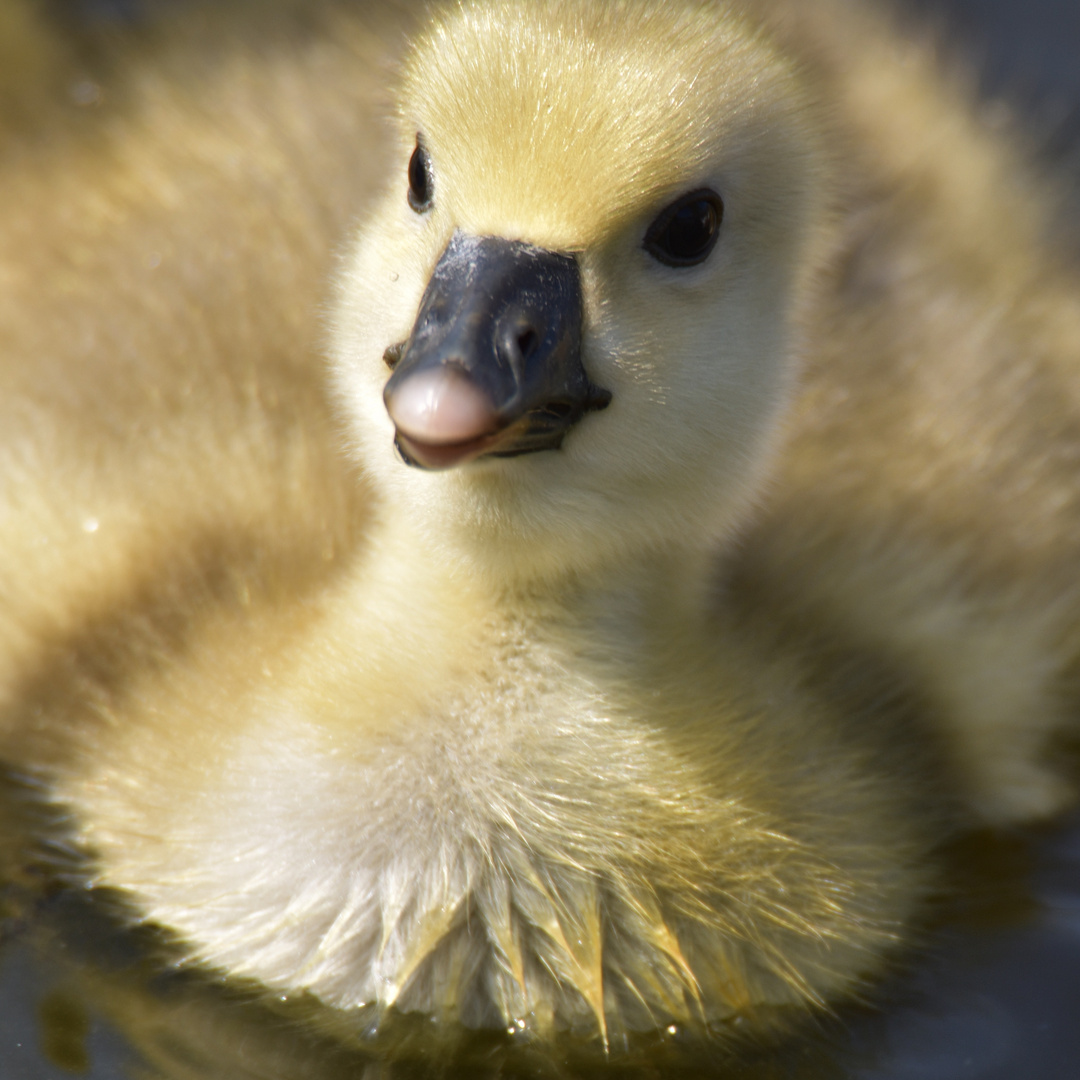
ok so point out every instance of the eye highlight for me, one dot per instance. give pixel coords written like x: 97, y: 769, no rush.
x: 685, y: 232
x: 421, y: 187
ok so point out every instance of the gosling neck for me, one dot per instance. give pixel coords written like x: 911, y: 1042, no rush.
x: 670, y: 583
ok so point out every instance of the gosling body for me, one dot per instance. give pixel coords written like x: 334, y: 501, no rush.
x: 662, y: 726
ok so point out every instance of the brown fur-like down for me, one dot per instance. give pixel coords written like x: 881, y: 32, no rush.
x: 661, y: 727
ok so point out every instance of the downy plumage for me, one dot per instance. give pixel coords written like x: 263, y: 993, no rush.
x: 723, y: 565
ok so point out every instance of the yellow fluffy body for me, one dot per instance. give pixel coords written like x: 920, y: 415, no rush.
x: 662, y: 727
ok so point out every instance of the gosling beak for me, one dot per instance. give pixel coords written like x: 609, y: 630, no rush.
x: 493, y: 364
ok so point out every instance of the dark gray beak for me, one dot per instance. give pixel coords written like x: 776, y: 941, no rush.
x: 493, y: 364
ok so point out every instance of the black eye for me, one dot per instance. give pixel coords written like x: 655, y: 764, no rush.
x: 420, y: 186
x: 685, y: 232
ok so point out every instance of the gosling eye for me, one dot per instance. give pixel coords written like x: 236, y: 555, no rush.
x: 420, y: 182
x: 685, y: 232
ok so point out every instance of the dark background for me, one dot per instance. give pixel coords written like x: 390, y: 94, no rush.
x: 1025, y: 52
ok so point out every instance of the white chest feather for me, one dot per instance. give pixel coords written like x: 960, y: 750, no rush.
x: 524, y: 836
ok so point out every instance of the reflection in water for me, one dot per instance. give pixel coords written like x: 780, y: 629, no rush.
x: 993, y: 995
x: 64, y: 1023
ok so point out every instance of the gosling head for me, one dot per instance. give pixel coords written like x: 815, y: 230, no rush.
x: 568, y: 329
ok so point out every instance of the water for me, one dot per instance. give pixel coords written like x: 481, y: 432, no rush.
x: 994, y: 995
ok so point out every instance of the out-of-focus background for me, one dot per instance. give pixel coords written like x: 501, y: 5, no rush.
x: 1025, y: 47
x: 996, y: 996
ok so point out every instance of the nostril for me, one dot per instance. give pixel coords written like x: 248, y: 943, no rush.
x: 527, y: 340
